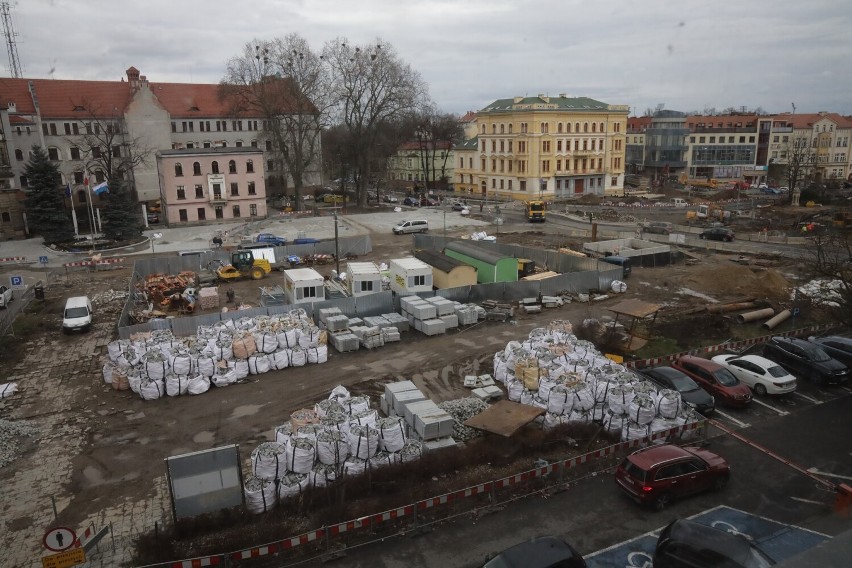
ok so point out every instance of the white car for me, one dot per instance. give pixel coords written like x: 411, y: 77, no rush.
x: 759, y: 373
x: 5, y: 296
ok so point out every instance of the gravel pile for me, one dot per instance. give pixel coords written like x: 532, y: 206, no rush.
x: 462, y: 409
x: 10, y: 432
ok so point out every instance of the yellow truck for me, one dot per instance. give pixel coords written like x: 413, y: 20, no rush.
x: 535, y: 211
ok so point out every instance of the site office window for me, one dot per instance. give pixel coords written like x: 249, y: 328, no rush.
x: 419, y: 280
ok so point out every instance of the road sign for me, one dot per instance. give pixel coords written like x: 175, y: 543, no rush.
x: 42, y: 259
x: 58, y: 539
x: 796, y: 312
x: 64, y: 559
x: 17, y: 283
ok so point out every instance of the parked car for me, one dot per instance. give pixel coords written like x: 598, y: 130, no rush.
x: 688, y: 543
x: 718, y: 234
x: 412, y: 201
x: 6, y: 296
x: 657, y: 475
x: 458, y: 206
x: 541, y: 552
x: 429, y: 202
x: 153, y: 218
x: 390, y: 198
x: 77, y: 315
x: 658, y: 227
x: 715, y: 379
x: 270, y: 239
x: 837, y: 347
x: 758, y: 373
x: 806, y: 359
x: 691, y: 394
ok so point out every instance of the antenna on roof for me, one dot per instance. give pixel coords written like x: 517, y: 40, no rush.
x: 53, y: 68
x: 11, y: 45
x: 794, y: 107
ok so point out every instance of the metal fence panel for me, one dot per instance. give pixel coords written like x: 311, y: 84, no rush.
x: 249, y: 313
x: 374, y: 304
x: 459, y: 294
x: 522, y: 289
x: 126, y: 332
x: 606, y: 277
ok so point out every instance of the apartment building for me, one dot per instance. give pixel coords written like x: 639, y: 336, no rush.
x: 550, y: 147
x: 823, y: 137
x: 422, y: 164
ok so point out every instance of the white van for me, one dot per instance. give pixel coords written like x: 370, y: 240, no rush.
x: 411, y: 226
x: 679, y: 202
x: 77, y: 315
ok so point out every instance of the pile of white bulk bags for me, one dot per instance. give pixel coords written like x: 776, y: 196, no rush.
x: 261, y: 495
x: 267, y: 461
x: 574, y: 383
x: 156, y: 363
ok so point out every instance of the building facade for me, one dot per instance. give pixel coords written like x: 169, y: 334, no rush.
x: 548, y: 148
x: 421, y: 165
x: 210, y: 185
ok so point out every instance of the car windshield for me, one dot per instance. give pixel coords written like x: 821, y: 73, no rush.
x: 71, y: 313
x: 817, y: 354
x: 726, y: 378
x: 776, y: 371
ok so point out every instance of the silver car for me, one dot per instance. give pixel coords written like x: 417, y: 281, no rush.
x: 759, y: 373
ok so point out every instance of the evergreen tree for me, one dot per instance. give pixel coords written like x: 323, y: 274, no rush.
x: 46, y: 212
x: 121, y: 217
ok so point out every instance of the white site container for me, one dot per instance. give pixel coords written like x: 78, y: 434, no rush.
x: 363, y: 278
x: 303, y: 285
x: 408, y: 275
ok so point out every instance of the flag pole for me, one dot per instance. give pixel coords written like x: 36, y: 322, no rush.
x: 91, y: 211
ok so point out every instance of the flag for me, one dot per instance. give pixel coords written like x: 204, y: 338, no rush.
x: 68, y: 190
x: 100, y: 188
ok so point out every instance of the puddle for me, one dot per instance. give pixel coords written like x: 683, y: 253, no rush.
x: 246, y: 410
x: 203, y: 437
x: 93, y: 476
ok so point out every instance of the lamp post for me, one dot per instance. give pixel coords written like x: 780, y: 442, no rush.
x: 336, y: 245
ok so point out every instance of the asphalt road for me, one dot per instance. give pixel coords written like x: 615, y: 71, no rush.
x: 593, y: 514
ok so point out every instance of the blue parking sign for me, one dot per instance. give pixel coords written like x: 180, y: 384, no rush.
x: 17, y: 282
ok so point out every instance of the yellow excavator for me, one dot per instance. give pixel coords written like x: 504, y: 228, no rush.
x: 244, y: 265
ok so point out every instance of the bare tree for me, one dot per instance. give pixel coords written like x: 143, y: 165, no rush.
x: 372, y: 86
x: 285, y: 82
x: 801, y: 162
x: 435, y: 134
x: 831, y: 263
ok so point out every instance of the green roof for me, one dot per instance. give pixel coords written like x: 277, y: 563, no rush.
x: 471, y: 144
x: 539, y: 103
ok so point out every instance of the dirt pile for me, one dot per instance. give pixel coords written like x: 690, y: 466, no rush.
x: 725, y: 282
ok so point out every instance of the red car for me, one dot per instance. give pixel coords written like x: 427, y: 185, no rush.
x: 658, y: 475
x: 715, y: 379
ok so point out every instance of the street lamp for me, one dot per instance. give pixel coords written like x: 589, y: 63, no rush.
x: 155, y: 237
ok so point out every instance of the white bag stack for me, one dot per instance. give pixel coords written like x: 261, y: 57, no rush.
x: 301, y: 454
x: 392, y: 436
x: 363, y: 442
x: 260, y: 495
x: 268, y: 461
x: 332, y: 447
x: 292, y: 484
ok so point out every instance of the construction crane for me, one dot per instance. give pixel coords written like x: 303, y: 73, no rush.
x: 11, y: 45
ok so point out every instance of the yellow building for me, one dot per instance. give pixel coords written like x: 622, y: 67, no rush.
x: 545, y: 148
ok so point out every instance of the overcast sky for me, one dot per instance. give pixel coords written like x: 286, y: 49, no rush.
x: 687, y: 54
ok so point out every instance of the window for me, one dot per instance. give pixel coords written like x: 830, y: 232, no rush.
x: 182, y: 215
x: 558, y: 165
x: 78, y: 177
x: 691, y: 139
x: 545, y: 166
x: 545, y: 128
x: 53, y: 154
x: 522, y: 185
x: 366, y: 285
x: 493, y: 146
x: 418, y: 280
x: 202, y: 213
x: 502, y: 145
x: 99, y: 176
x: 268, y: 145
x: 249, y: 167
x: 196, y: 169
x: 220, y: 212
x: 239, y: 144
x: 207, y: 144
x: 270, y: 165
x: 613, y: 181
x: 483, y: 144
x: 253, y: 210
x: 215, y: 167
x: 523, y: 128
x: 217, y: 191
x: 702, y: 139
x: 116, y: 151
x: 96, y: 152
x: 235, y: 189
x: 178, y: 169
x: 502, y: 165
x: 199, y: 191
x: 24, y: 181
x: 181, y: 192
x: 232, y: 167
x: 545, y: 146
x: 174, y: 127
x: 493, y: 165
x: 19, y: 155
x: 585, y: 127
x: 251, y: 188
x: 493, y: 129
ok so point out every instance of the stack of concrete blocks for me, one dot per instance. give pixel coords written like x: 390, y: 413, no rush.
x: 377, y: 321
x: 397, y: 395
x: 466, y: 314
x: 369, y: 336
x: 355, y: 321
x: 399, y: 321
x: 422, y: 315
x: 390, y: 334
x: 344, y: 341
x: 446, y: 311
x: 424, y: 420
x: 325, y: 313
x: 429, y: 422
x: 337, y: 323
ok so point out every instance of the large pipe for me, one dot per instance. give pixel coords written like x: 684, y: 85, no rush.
x: 722, y: 308
x: 755, y: 315
x: 782, y: 316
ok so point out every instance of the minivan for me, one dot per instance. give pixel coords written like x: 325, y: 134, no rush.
x: 77, y: 315
x: 622, y: 261
x: 411, y: 226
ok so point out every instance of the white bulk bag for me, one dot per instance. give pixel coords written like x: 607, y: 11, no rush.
x: 634, y: 431
x: 539, y: 403
x: 221, y: 349
x: 545, y: 383
x: 597, y: 412
x: 309, y: 336
x: 600, y: 389
x: 391, y: 433
x: 412, y: 450
x: 527, y: 397
x: 198, y: 385
x: 300, y: 455
x: 265, y: 341
x: 668, y: 403
x: 619, y: 397
x: 660, y: 424
x: 181, y: 364
x: 318, y: 354
x: 151, y: 389
x: 328, y: 406
x: 500, y: 367
x: 514, y: 388
x: 363, y: 441
x: 642, y: 409
x: 134, y: 379
x: 114, y: 348
x: 614, y: 423
x: 280, y: 359
x: 240, y: 368
x: 108, y: 370
x: 298, y: 357
x: 291, y: 485
x: 584, y: 399
x: 337, y: 420
x: 176, y: 384
x: 354, y: 466
x: 8, y: 389
x: 356, y: 404
x: 154, y: 365
x: 323, y: 474
x: 283, y: 433
x: 308, y: 431
x: 288, y: 338
x: 553, y: 420
x: 382, y: 458
x: 340, y: 394
x: 618, y: 287
x: 223, y: 376
x: 206, y: 365
x: 364, y: 418
x: 260, y: 495
x: 332, y: 447
x: 258, y: 364
x: 268, y: 461
x: 578, y: 416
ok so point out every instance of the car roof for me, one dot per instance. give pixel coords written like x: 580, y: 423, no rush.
x: 537, y: 552
x: 837, y: 338
x: 758, y: 360
x: 668, y: 372
x: 647, y: 458
x: 701, y: 362
x: 708, y: 538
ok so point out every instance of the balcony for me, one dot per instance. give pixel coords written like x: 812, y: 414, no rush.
x: 218, y: 198
x: 586, y: 172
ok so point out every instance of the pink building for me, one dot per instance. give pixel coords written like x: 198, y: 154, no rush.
x: 210, y: 185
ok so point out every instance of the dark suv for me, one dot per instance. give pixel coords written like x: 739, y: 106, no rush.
x: 717, y: 234
x: 806, y: 359
x: 691, y: 394
x: 688, y: 543
x: 837, y: 347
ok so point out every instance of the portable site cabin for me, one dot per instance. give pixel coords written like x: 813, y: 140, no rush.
x: 363, y: 278
x: 303, y: 285
x: 447, y: 272
x: 491, y: 266
x: 409, y: 275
